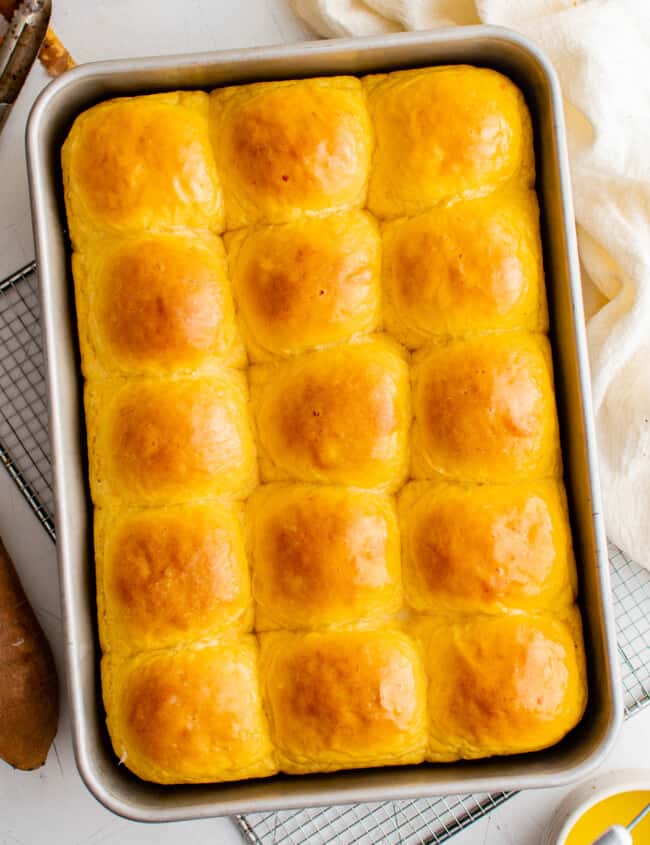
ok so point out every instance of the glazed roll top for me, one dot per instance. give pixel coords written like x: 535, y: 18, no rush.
x: 165, y: 442
x: 533, y: 693
x: 445, y: 134
x: 171, y: 575
x: 322, y: 556
x: 485, y: 548
x: 189, y: 715
x: 470, y: 267
x: 335, y: 415
x: 306, y: 284
x: 156, y: 304
x: 330, y: 524
x: 341, y: 699
x: 285, y: 150
x: 136, y: 165
x: 484, y: 409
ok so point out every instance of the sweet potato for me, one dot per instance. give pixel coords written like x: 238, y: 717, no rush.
x: 29, y: 694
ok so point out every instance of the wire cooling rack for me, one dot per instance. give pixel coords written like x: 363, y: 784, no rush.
x: 24, y: 442
x: 24, y: 451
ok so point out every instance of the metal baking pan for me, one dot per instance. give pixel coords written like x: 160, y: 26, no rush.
x: 585, y: 747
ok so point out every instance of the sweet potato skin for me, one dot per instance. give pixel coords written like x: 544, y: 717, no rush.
x: 29, y: 694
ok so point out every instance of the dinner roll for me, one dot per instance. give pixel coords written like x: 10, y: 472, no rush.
x: 344, y: 699
x: 306, y: 284
x: 155, y: 304
x: 170, y: 575
x: 471, y: 267
x: 141, y: 164
x: 191, y: 715
x: 502, y: 684
x: 486, y: 548
x: 156, y: 442
x: 322, y: 556
x: 444, y: 133
x: 485, y: 410
x: 290, y: 148
x: 339, y: 415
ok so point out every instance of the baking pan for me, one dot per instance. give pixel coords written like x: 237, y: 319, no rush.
x: 585, y: 747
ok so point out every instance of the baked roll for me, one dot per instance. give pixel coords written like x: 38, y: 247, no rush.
x: 192, y: 715
x: 474, y: 266
x: 290, y: 148
x: 338, y: 415
x: 443, y: 133
x: 345, y: 699
x: 486, y: 549
x: 155, y: 304
x: 485, y: 410
x: 322, y: 556
x: 503, y: 684
x: 159, y: 442
x: 306, y: 284
x: 171, y: 575
x: 141, y: 164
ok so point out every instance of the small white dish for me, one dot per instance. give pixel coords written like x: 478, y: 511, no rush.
x: 592, y: 792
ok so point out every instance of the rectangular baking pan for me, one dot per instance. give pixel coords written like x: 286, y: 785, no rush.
x: 581, y: 751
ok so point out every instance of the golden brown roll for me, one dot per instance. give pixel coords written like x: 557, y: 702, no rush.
x: 170, y: 575
x: 488, y: 548
x: 344, y: 699
x: 444, y: 133
x: 156, y: 442
x: 502, y: 684
x: 471, y: 267
x: 155, y: 304
x: 339, y: 415
x: 322, y: 556
x: 306, y: 284
x: 192, y: 715
x: 485, y: 410
x: 289, y: 148
x: 141, y: 164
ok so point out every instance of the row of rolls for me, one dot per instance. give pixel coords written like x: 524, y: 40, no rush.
x: 330, y: 525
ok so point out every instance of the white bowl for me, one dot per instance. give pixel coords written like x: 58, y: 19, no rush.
x: 590, y: 793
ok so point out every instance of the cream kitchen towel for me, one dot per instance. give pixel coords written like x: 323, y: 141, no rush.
x: 601, y: 51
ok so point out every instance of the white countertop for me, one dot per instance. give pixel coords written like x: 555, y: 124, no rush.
x: 52, y: 805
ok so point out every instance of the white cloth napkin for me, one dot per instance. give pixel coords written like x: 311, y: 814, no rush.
x: 601, y: 51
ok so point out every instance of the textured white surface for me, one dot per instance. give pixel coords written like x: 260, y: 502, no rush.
x: 52, y: 805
